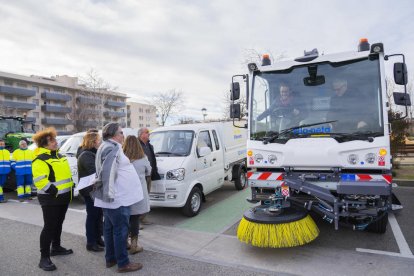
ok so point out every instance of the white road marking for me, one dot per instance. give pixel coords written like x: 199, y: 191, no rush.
x: 83, y: 211
x: 405, y: 251
x: 18, y: 201
x: 395, y: 254
x: 399, y: 237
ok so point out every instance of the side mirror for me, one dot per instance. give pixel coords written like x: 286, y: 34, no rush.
x: 235, y: 91
x: 204, y: 151
x: 401, y: 98
x: 235, y: 111
x: 400, y: 73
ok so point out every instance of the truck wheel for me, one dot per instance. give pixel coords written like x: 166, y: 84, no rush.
x: 380, y: 225
x: 240, y: 179
x: 193, y: 205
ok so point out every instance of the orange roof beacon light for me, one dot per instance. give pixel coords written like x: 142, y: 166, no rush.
x: 363, y: 45
x: 266, y: 60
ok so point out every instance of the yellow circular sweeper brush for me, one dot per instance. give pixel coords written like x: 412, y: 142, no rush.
x: 287, y: 227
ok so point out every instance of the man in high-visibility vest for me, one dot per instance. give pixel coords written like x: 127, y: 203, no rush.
x: 4, y: 167
x: 22, y: 163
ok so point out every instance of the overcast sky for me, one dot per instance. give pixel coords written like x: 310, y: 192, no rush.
x: 144, y: 47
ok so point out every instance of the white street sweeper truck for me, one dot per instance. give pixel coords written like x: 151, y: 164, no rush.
x: 319, y: 140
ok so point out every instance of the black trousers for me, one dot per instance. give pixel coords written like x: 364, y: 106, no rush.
x: 53, y: 217
x: 134, y: 225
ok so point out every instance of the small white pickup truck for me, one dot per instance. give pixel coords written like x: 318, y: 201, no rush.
x: 194, y: 160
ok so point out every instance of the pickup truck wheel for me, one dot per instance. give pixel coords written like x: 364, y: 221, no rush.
x: 240, y: 179
x: 379, y: 226
x: 193, y: 205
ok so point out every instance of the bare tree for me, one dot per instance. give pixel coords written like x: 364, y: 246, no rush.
x: 168, y: 103
x: 186, y: 120
x: 252, y: 55
x: 88, y: 107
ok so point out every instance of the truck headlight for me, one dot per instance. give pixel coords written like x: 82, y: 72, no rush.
x: 177, y: 174
x: 258, y: 157
x: 272, y: 159
x: 370, y: 158
x: 353, y: 159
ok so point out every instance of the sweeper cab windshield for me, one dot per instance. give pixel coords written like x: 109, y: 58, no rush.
x: 334, y: 99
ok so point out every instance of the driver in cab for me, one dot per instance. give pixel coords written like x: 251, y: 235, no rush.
x: 283, y: 105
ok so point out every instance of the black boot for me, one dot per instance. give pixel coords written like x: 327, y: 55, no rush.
x: 100, y: 242
x: 94, y: 248
x: 46, y: 264
x: 60, y: 251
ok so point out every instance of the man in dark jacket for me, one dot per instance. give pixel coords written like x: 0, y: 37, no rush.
x: 143, y: 137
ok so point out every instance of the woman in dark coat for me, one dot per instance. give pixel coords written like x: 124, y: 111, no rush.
x: 86, y: 167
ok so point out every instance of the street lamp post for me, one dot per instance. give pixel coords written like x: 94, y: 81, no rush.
x: 204, y: 111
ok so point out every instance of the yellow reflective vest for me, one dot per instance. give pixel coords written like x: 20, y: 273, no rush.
x: 4, y: 161
x: 22, y: 161
x: 51, y: 168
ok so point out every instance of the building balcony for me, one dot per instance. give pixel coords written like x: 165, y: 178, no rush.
x: 55, y: 121
x: 88, y: 100
x: 64, y: 132
x: 115, y: 104
x: 91, y: 124
x: 116, y: 114
x: 89, y: 111
x: 18, y: 105
x: 17, y: 91
x: 56, y: 96
x: 30, y: 120
x: 56, y: 108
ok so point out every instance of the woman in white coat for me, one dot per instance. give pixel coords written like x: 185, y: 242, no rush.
x: 133, y: 150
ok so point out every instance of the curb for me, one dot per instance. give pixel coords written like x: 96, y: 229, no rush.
x: 404, y: 182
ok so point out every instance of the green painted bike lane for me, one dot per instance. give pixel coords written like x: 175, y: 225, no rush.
x: 223, y: 214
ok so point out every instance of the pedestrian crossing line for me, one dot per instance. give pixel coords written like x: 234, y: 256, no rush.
x: 221, y: 216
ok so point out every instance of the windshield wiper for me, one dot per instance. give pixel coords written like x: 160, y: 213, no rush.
x: 277, y: 134
x: 359, y: 135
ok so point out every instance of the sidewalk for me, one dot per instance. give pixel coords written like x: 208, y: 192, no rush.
x: 195, y: 246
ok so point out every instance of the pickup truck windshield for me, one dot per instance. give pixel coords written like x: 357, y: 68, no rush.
x: 348, y: 100
x: 172, y: 142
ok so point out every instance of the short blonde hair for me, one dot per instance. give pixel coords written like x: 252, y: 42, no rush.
x: 41, y: 137
x: 89, y: 140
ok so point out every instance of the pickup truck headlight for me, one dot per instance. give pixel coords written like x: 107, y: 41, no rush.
x: 177, y: 174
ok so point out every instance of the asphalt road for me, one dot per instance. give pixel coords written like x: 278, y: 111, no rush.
x: 206, y: 244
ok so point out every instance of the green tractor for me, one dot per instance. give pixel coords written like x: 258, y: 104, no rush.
x: 12, y: 130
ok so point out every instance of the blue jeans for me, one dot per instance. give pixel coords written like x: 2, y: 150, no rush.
x: 93, y: 221
x: 116, y: 227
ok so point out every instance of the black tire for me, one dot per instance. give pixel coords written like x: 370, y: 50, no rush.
x: 380, y: 225
x: 239, y: 176
x: 193, y: 205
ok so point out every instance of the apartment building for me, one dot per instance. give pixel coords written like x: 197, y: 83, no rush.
x: 141, y: 115
x: 60, y: 102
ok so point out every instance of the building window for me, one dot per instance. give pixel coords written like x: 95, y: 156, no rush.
x: 46, y: 89
x: 9, y: 98
x: 148, y: 125
x: 21, y: 99
x: 36, y: 102
x: 36, y: 115
x: 141, y: 125
x: 58, y: 90
x: 35, y: 88
x: 140, y: 109
x: 23, y: 85
x: 8, y: 82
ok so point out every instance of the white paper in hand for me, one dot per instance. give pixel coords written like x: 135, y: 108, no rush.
x: 85, y: 182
